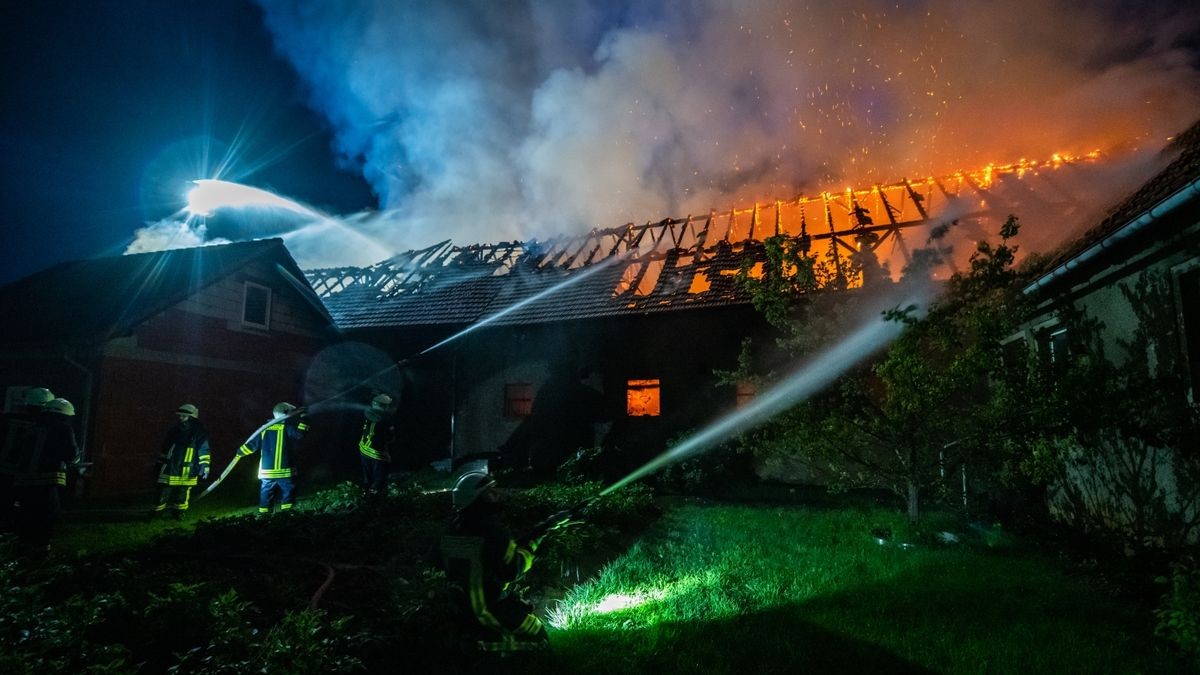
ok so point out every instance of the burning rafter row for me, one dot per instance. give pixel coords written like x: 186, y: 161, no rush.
x: 835, y: 216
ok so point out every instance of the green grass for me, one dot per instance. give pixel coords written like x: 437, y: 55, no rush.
x: 754, y: 589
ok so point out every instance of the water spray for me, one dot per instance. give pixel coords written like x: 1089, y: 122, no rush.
x: 800, y: 385
x: 571, y: 280
x: 210, y: 195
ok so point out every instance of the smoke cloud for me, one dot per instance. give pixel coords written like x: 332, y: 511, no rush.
x: 171, y: 233
x: 486, y: 121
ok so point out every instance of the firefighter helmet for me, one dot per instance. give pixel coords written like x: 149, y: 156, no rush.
x: 188, y: 410
x: 61, y: 406
x: 469, y: 487
x: 381, y: 406
x: 282, y: 410
x: 38, y: 396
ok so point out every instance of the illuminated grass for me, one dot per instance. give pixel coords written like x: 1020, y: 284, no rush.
x: 722, y: 589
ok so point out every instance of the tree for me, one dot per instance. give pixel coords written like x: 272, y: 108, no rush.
x: 923, y: 405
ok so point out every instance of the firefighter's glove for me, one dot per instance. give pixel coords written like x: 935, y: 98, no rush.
x: 204, y: 473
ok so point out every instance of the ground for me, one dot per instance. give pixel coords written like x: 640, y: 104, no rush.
x: 690, y: 586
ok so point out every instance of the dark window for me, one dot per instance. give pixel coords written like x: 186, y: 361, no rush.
x: 1055, y: 346
x: 518, y: 400
x: 642, y: 398
x: 1189, y: 297
x: 1014, y: 353
x: 256, y: 306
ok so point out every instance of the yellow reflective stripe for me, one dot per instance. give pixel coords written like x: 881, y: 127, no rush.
x: 303, y: 426
x: 187, y: 495
x: 279, y: 447
x: 245, y: 451
x: 526, y: 560
x: 177, y: 480
x: 46, y: 478
x: 368, y: 451
x: 275, y: 473
x: 285, y: 507
x: 530, y: 626
x: 508, y: 552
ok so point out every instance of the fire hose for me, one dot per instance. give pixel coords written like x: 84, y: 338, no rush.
x: 557, y: 520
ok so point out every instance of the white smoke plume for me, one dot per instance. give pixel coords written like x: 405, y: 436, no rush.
x: 484, y: 120
x: 171, y: 233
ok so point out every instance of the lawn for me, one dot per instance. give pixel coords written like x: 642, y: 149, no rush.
x: 714, y: 588
x: 789, y: 589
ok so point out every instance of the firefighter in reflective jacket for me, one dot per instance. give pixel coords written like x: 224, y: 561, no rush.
x: 375, y: 445
x: 275, y: 444
x: 41, y: 472
x: 185, y: 457
x: 485, y: 560
x: 18, y: 431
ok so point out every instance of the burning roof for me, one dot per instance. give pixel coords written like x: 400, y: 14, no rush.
x: 672, y: 264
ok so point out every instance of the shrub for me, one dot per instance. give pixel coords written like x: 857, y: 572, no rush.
x: 585, y: 465
x: 1179, y: 614
x: 340, y: 498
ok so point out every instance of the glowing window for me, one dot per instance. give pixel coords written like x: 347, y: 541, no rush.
x: 745, y: 392
x: 518, y: 400
x: 642, y: 398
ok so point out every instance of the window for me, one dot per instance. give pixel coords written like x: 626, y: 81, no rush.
x: 746, y: 392
x: 518, y: 400
x: 642, y: 398
x: 256, y: 306
x: 1054, y: 344
x: 1014, y: 353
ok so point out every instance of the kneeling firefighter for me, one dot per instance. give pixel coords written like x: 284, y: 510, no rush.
x: 486, y: 561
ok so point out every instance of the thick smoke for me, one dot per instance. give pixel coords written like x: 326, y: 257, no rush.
x: 484, y: 121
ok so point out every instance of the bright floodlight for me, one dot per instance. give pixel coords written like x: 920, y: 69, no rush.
x: 209, y: 195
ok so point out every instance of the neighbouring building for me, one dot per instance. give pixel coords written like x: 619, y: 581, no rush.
x: 230, y: 329
x: 1138, y: 273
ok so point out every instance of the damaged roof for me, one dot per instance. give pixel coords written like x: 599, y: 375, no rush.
x: 669, y: 265
x: 1182, y: 158
x: 105, y: 297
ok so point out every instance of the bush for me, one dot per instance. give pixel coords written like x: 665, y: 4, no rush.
x: 1179, y: 614
x: 583, y: 466
x: 342, y: 497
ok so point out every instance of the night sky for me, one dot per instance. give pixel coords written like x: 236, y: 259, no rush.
x: 106, y: 105
x: 490, y: 120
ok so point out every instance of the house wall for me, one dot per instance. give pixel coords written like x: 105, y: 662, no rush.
x: 579, y: 372
x: 198, y: 351
x: 1126, y: 484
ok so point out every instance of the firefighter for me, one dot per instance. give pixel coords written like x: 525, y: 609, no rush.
x: 375, y: 446
x: 42, y: 473
x: 276, y: 444
x: 486, y: 561
x: 18, y: 434
x: 185, y: 457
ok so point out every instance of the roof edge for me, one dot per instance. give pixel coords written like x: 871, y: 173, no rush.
x: 1137, y: 224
